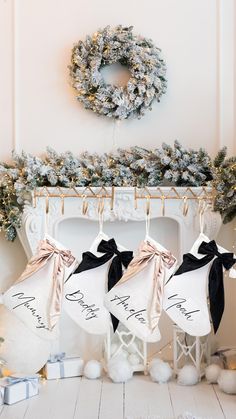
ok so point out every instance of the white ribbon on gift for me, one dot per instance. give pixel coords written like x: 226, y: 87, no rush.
x: 54, y: 358
x: 2, y: 390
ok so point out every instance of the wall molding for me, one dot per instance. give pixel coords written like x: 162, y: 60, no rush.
x: 15, y: 136
x: 225, y: 68
x: 226, y: 74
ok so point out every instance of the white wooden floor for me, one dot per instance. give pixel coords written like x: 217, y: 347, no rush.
x: 79, y: 398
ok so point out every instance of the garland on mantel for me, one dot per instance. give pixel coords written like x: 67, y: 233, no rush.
x: 137, y: 166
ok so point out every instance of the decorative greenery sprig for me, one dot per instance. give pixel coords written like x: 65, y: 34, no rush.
x: 225, y: 184
x: 137, y: 166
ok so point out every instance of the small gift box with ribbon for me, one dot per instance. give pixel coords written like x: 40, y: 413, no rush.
x: 58, y: 366
x: 1, y: 395
x: 15, y: 389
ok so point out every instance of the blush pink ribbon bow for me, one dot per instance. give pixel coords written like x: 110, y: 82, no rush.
x: 162, y: 259
x: 62, y: 259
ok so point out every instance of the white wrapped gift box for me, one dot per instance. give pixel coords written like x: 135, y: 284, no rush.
x: 1, y: 395
x: 64, y: 368
x: 16, y: 389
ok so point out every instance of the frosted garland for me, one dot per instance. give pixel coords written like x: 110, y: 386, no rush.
x: 164, y: 166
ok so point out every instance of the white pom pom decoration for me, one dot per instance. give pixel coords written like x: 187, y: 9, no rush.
x: 93, y: 369
x: 123, y: 353
x: 133, y: 359
x: 188, y: 376
x: 132, y: 348
x: 119, y: 369
x: 212, y: 373
x: 227, y: 381
x: 160, y: 371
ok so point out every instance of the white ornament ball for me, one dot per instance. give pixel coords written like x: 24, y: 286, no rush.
x: 119, y: 369
x: 132, y: 348
x: 123, y: 353
x: 23, y: 351
x: 93, y: 369
x: 212, y: 373
x: 227, y: 381
x: 188, y: 376
x: 160, y: 371
x: 133, y: 359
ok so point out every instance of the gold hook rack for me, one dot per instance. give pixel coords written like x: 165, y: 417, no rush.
x: 202, y: 196
x: 99, y: 193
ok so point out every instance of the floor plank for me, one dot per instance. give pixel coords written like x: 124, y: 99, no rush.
x: 111, y: 406
x: 227, y: 402
x: 88, y: 403
x: 80, y: 398
x: 200, y: 400
x: 15, y: 411
x: 143, y: 398
x: 42, y: 406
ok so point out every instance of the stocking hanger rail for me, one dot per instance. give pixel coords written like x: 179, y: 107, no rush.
x: 87, y: 193
x: 204, y: 196
x: 172, y: 193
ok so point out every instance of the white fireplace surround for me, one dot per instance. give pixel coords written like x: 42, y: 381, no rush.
x: 77, y: 231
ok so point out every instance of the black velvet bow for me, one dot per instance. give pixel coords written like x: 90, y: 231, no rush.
x: 216, y: 283
x: 91, y: 261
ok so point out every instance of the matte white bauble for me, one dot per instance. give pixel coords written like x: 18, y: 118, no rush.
x: 119, y: 369
x: 132, y: 349
x: 212, y: 373
x: 227, y: 381
x: 93, y: 369
x: 133, y: 359
x: 188, y: 375
x: 123, y: 352
x: 160, y: 371
x: 23, y: 351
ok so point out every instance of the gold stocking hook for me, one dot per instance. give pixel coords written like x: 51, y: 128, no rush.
x: 84, y: 204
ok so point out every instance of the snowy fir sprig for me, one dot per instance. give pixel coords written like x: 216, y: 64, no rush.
x: 224, y: 181
x: 164, y: 166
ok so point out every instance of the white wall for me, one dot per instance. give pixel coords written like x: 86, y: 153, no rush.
x: 38, y: 107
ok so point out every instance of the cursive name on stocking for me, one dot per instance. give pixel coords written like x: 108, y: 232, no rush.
x: 179, y: 304
x: 137, y: 314
x: 89, y: 310
x: 25, y: 302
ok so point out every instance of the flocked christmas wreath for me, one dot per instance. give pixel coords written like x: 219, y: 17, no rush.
x: 117, y: 45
